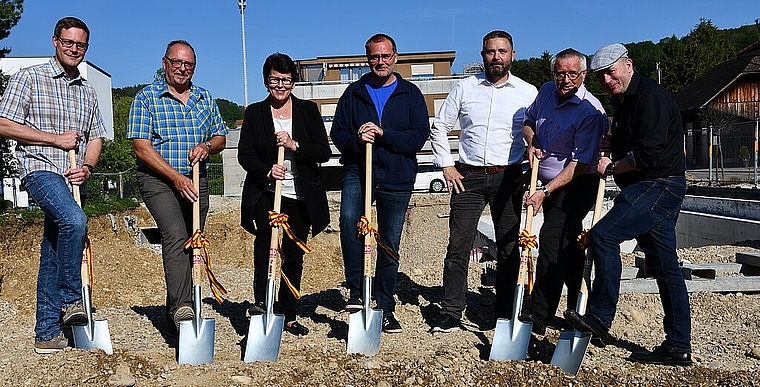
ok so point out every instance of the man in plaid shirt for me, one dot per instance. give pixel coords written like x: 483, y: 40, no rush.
x: 48, y: 110
x: 174, y: 124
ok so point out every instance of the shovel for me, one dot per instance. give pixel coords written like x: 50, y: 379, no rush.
x: 93, y: 334
x: 511, y: 337
x: 365, y: 326
x: 265, y: 330
x: 572, y: 345
x: 196, y: 336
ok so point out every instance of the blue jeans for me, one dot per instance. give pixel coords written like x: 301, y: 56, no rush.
x: 59, y: 282
x: 646, y: 211
x: 391, y: 213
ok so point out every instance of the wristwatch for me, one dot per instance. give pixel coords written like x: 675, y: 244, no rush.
x: 546, y: 191
x: 89, y: 167
x: 610, y: 169
x: 208, y: 144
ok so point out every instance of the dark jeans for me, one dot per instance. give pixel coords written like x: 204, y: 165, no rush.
x: 391, y: 214
x: 503, y: 194
x: 292, y: 255
x: 647, y: 211
x: 59, y: 282
x: 174, y: 217
x: 560, y: 258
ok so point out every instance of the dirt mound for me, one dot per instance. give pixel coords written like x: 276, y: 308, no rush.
x: 129, y: 292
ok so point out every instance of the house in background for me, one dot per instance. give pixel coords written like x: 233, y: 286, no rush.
x: 728, y: 98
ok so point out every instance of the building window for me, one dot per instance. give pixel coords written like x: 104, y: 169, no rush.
x: 422, y: 71
x: 350, y: 74
x: 313, y: 73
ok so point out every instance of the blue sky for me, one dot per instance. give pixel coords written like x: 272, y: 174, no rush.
x: 128, y: 37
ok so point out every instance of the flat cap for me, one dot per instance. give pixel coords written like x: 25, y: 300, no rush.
x: 607, y: 55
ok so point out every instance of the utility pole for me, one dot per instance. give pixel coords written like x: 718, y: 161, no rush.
x: 241, y: 5
x: 659, y: 74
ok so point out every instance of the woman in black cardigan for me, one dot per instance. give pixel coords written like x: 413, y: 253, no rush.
x: 282, y: 120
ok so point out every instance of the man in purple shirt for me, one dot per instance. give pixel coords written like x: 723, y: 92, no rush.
x: 562, y: 128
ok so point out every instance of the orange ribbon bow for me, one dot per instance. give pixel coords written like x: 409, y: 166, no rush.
x: 199, y: 241
x: 364, y: 227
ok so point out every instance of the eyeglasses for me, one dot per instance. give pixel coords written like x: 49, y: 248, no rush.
x: 377, y: 57
x: 285, y: 81
x: 70, y: 43
x: 571, y: 75
x: 177, y: 63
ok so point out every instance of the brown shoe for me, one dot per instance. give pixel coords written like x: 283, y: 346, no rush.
x: 56, y: 344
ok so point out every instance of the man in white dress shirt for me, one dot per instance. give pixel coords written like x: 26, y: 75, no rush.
x: 490, y: 107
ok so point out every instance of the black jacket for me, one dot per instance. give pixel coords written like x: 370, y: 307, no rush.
x: 257, y: 152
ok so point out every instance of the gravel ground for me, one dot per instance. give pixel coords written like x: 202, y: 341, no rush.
x: 129, y: 293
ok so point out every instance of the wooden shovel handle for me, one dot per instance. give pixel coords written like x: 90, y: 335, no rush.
x: 368, y: 207
x: 196, y: 225
x: 274, y: 242
x: 84, y: 270
x: 522, y: 276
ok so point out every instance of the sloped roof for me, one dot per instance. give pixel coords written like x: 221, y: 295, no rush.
x: 700, y: 92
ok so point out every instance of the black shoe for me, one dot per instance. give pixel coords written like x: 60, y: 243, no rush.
x: 296, y: 328
x: 257, y: 309
x: 445, y: 323
x: 354, y: 304
x: 390, y: 324
x: 588, y: 323
x: 559, y: 324
x: 662, y: 356
x: 539, y: 326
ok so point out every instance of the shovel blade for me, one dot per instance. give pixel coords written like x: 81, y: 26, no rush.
x: 364, y: 329
x: 264, y: 337
x: 196, y: 341
x: 95, y: 335
x: 512, y: 337
x: 570, y: 351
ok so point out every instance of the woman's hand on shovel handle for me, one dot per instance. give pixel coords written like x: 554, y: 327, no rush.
x: 277, y: 172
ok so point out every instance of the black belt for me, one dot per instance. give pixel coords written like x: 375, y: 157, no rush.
x: 489, y: 170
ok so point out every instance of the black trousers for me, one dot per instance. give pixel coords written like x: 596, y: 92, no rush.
x: 291, y: 262
x: 560, y: 258
x: 502, y: 192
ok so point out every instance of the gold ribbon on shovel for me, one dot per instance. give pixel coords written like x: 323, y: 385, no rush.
x: 365, y: 227
x: 88, y: 256
x: 281, y: 220
x: 199, y: 241
x: 528, y: 241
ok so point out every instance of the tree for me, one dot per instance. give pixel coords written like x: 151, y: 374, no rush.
x: 230, y: 111
x: 117, y: 154
x: 10, y: 13
x: 706, y: 48
x: 674, y: 78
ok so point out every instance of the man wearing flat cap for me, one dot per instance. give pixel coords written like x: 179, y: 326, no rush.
x: 648, y: 164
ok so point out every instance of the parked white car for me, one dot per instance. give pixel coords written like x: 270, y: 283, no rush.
x: 429, y: 179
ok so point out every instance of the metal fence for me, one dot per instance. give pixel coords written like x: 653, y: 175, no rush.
x: 723, y: 154
x: 123, y: 185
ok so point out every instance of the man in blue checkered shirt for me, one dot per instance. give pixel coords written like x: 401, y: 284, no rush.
x: 174, y: 124
x: 48, y: 110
